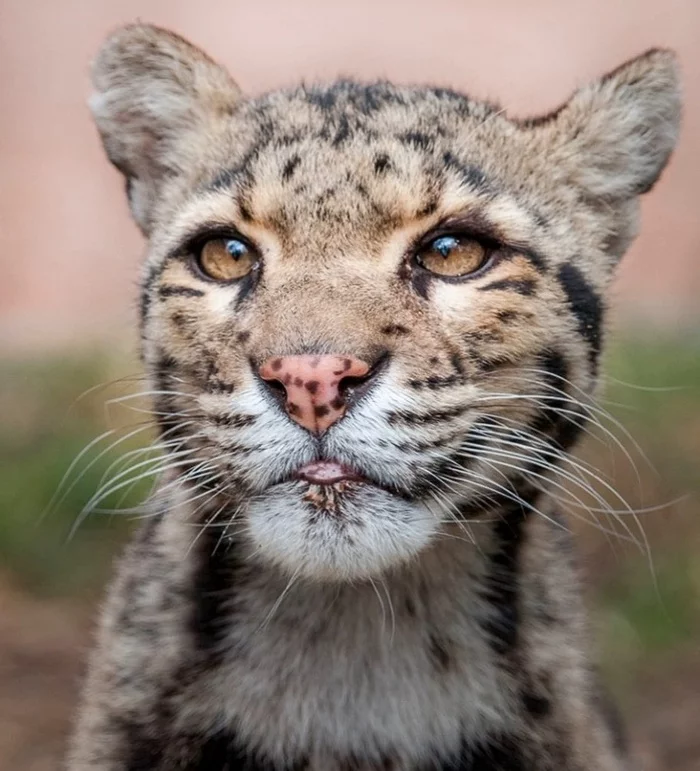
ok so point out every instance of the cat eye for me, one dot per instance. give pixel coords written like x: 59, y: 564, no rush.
x: 227, y: 259
x: 452, y: 256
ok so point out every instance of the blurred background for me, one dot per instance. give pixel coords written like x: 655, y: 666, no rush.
x: 70, y: 256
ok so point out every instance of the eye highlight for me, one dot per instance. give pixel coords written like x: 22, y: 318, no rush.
x: 226, y: 259
x: 452, y: 256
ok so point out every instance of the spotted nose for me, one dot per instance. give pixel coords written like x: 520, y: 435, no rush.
x: 315, y: 386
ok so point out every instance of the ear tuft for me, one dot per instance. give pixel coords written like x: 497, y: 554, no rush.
x: 615, y: 136
x: 151, y: 88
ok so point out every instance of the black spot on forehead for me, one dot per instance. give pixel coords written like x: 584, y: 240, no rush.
x: 417, y: 139
x: 290, y: 166
x: 382, y: 163
x: 469, y: 173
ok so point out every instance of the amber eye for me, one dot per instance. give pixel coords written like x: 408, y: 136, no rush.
x: 226, y: 259
x: 452, y: 256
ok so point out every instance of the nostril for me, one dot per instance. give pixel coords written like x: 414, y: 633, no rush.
x: 352, y: 387
x: 277, y: 387
x: 348, y: 385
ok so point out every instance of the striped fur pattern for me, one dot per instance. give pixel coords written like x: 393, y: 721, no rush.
x: 430, y: 618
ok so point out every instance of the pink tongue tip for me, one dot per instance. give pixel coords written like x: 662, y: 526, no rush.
x: 326, y: 472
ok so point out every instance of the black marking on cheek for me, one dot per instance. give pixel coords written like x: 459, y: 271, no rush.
x: 243, y: 337
x: 456, y: 361
x: 523, y: 286
x: 179, y: 291
x: 565, y: 428
x: 215, y: 385
x: 180, y: 320
x: 434, y: 382
x: 233, y: 421
x: 587, y: 307
x: 290, y: 167
x: 507, y: 316
x: 488, y: 364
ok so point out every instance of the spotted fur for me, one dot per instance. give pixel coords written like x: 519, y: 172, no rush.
x: 430, y: 620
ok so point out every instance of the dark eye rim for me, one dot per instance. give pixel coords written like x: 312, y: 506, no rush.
x: 492, y: 251
x: 196, y: 244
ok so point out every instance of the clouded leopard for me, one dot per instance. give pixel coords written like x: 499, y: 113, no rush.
x: 372, y: 316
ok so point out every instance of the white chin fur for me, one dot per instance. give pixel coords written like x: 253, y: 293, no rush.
x: 312, y: 531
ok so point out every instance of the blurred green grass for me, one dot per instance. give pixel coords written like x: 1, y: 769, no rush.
x: 49, y: 416
x: 642, y: 608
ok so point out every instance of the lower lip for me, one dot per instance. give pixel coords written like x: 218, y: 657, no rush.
x: 327, y: 473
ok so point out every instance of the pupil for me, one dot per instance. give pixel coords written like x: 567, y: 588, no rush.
x: 445, y: 245
x: 236, y: 248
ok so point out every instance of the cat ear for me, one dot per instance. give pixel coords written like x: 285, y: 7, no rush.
x: 614, y: 136
x: 153, y: 90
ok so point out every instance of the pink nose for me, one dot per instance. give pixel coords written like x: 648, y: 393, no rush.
x: 313, y: 386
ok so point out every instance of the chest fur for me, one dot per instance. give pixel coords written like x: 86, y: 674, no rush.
x: 402, y: 667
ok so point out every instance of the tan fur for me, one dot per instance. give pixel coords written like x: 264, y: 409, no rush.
x: 429, y: 618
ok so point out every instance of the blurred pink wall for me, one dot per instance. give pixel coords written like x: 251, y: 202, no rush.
x: 68, y: 252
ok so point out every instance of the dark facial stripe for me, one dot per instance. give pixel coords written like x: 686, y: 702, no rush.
x: 524, y: 286
x: 501, y: 753
x: 586, y: 306
x: 564, y: 428
x: 217, y: 569
x: 179, y: 291
x: 501, y: 582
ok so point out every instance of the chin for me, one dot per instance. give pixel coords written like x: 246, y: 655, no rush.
x: 348, y: 531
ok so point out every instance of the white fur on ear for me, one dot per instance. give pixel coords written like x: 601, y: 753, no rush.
x: 614, y: 136
x: 151, y: 88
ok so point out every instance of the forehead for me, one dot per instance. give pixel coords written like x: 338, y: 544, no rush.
x: 377, y: 151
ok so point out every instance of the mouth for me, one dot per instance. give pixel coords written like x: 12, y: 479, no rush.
x: 329, y: 472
